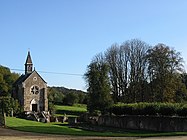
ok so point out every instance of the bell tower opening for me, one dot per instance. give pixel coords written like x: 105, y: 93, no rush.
x: 28, y: 64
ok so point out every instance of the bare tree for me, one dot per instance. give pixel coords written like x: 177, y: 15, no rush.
x: 138, y: 69
x: 127, y: 69
x: 112, y: 58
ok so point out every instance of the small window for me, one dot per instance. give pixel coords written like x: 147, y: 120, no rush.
x: 35, y: 79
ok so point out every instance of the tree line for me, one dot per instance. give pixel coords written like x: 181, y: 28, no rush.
x: 136, y: 72
x: 65, y: 96
x: 7, y: 103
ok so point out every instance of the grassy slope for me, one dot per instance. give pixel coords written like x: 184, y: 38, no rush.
x: 70, y: 110
x: 64, y: 129
x: 76, y: 108
x: 53, y: 128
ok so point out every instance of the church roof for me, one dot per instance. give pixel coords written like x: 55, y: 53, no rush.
x: 28, y: 60
x: 22, y: 78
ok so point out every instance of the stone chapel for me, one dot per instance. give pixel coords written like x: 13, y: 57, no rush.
x: 31, y: 89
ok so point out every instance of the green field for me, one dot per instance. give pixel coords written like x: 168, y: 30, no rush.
x: 75, y: 110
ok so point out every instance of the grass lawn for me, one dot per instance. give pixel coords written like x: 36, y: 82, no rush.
x: 65, y: 129
x: 75, y: 110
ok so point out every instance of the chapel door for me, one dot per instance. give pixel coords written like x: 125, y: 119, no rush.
x: 34, y: 107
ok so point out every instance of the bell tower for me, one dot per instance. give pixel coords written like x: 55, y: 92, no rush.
x: 28, y: 64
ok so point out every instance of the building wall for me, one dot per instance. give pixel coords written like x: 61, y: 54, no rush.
x: 153, y: 123
x: 28, y: 96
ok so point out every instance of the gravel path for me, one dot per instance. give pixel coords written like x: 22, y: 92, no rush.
x: 9, y: 134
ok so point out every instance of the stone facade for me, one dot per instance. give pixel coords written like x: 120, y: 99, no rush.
x: 31, y: 90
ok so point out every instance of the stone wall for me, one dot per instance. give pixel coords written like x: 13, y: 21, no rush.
x: 153, y: 123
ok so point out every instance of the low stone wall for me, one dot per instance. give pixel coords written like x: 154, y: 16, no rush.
x: 153, y: 123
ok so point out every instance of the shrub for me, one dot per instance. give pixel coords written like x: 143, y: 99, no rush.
x: 167, y: 109
x: 182, y: 111
x: 162, y: 109
x: 127, y: 109
x: 151, y: 109
x: 117, y: 110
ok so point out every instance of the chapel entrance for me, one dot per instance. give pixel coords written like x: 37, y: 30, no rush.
x: 34, y: 107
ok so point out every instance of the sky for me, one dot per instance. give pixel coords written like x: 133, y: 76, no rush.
x: 64, y: 35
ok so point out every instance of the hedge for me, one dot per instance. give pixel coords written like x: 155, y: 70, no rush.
x: 159, y: 109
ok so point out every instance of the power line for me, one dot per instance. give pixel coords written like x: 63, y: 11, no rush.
x: 62, y: 73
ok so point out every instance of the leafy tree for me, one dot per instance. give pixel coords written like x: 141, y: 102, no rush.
x: 82, y: 98
x: 99, y: 90
x: 71, y: 98
x: 55, y: 96
x: 9, y: 104
x: 164, y: 66
x: 6, y: 80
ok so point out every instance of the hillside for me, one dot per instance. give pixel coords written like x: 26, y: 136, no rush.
x: 62, y: 95
x: 66, y: 90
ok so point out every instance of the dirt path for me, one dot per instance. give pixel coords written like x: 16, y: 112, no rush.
x: 9, y: 134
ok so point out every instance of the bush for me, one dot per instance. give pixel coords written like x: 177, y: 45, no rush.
x: 127, y: 109
x: 182, y: 111
x: 162, y: 109
x: 167, y: 109
x: 151, y: 109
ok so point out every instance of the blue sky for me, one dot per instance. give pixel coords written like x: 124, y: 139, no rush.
x: 64, y: 35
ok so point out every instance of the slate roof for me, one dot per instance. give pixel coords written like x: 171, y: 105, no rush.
x: 22, y: 78
x: 28, y: 60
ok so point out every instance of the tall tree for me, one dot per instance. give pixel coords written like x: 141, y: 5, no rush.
x: 6, y: 80
x: 128, y: 68
x: 112, y: 59
x: 98, y: 85
x: 138, y: 69
x: 164, y: 64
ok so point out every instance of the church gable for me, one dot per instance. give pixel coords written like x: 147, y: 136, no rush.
x: 34, y: 83
x: 35, y: 78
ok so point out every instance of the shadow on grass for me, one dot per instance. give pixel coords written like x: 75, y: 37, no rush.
x: 112, y: 131
x: 88, y: 130
x: 63, y: 130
